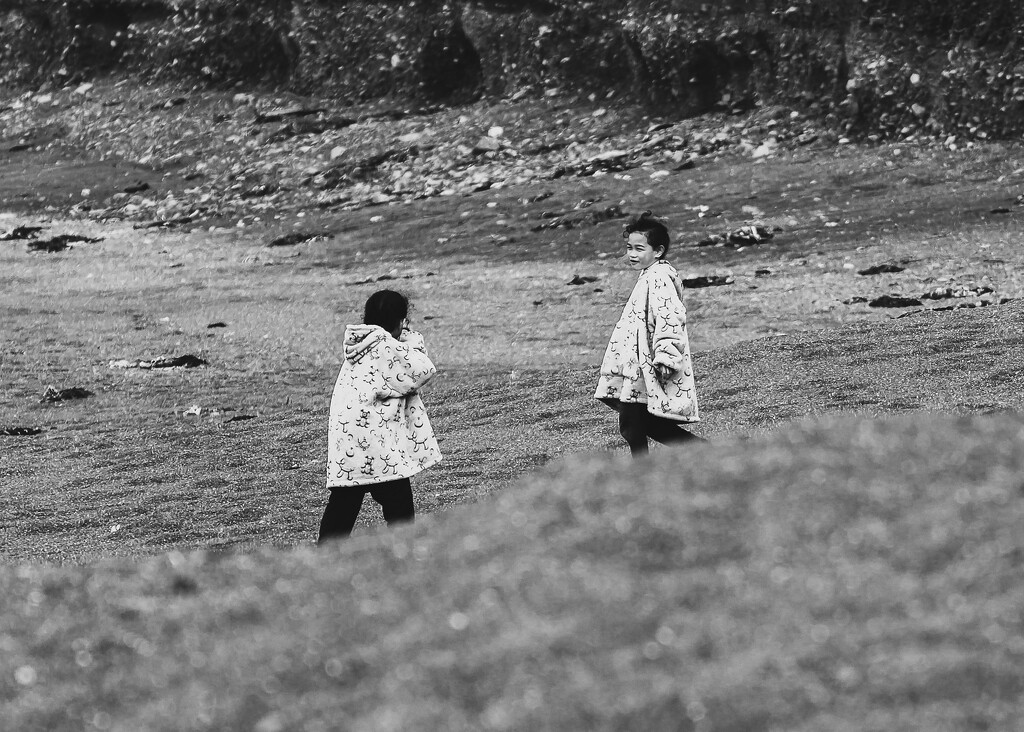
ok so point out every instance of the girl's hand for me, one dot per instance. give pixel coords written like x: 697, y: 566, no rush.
x: 413, y: 339
x: 662, y: 372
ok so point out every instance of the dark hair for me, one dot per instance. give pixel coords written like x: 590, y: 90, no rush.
x: 655, y: 231
x: 387, y: 309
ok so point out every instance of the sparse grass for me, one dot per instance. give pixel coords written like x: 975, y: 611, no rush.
x: 853, y: 575
x: 517, y: 348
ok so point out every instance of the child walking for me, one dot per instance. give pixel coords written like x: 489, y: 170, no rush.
x: 646, y: 374
x: 379, y: 435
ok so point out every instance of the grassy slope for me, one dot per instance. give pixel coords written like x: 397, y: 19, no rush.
x: 927, y: 361
x: 844, y: 575
x: 127, y: 457
x: 124, y: 472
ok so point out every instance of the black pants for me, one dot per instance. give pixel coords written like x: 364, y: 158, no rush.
x: 636, y: 424
x: 394, y: 497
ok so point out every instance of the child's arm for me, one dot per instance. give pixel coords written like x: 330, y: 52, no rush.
x: 407, y: 367
x: 667, y: 311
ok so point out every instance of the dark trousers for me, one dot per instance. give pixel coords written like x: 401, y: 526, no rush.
x: 394, y: 497
x: 636, y: 424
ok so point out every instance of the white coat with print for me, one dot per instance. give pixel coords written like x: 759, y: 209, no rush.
x: 378, y: 428
x: 650, y: 331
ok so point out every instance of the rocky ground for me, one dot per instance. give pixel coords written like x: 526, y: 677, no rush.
x: 804, y: 227
x: 194, y: 157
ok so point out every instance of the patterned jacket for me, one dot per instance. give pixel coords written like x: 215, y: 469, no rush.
x: 651, y: 330
x: 378, y: 428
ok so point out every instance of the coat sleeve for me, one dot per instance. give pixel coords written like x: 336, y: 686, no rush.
x: 669, y: 320
x: 407, y: 367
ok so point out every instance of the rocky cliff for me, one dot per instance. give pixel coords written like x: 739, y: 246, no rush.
x: 875, y: 67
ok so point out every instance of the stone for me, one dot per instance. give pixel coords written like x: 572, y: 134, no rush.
x: 887, y: 268
x: 53, y: 395
x: 707, y: 281
x: 894, y: 301
x: 486, y: 144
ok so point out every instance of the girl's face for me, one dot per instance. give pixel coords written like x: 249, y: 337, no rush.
x: 639, y: 253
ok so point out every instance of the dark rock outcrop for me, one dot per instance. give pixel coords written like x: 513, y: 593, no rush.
x: 888, y: 67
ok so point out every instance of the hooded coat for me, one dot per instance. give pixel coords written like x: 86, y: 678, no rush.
x: 651, y: 330
x: 378, y: 428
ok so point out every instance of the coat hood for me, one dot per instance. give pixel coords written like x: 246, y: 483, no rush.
x: 361, y: 339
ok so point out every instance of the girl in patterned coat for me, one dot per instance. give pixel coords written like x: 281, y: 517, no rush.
x: 379, y: 435
x: 646, y: 374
